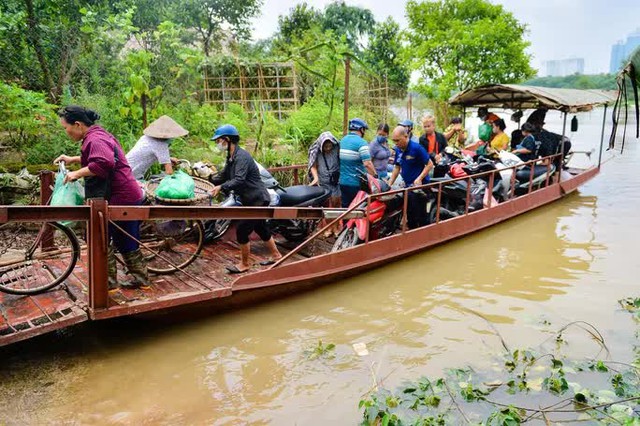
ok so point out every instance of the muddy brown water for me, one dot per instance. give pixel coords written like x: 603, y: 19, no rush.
x: 571, y: 260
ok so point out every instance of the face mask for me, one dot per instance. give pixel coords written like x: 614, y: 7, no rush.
x: 221, y: 146
x: 381, y: 139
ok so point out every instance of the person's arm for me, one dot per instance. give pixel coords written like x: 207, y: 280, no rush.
x: 394, y: 175
x: 449, y: 131
x: 168, y: 169
x: 423, y: 174
x: 81, y: 173
x: 314, y: 174
x: 370, y: 169
x: 67, y: 159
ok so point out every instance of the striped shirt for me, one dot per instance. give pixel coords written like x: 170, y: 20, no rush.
x: 353, y: 151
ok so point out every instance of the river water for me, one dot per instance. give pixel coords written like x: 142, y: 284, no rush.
x: 571, y: 260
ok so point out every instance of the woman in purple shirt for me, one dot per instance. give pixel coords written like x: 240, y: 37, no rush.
x: 106, y: 175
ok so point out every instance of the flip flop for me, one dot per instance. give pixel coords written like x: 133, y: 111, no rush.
x: 234, y: 270
x: 267, y: 262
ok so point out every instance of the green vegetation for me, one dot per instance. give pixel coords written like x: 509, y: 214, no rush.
x: 134, y: 60
x: 524, y: 386
x: 577, y: 81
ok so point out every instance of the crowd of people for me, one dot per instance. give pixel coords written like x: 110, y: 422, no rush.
x: 336, y: 164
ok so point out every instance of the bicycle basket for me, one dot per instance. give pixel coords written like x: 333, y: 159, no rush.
x: 203, y: 191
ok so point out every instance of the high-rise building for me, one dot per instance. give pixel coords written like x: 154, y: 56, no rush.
x: 621, y: 51
x: 563, y: 67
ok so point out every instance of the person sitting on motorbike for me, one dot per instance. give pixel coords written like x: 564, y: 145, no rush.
x: 413, y: 163
x: 153, y: 147
x: 241, y: 175
x: 324, y: 170
x: 500, y: 140
x: 380, y: 151
x: 433, y: 142
x: 355, y: 160
x: 527, y: 150
x: 455, y: 134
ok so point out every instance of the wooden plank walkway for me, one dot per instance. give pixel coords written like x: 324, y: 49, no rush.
x: 22, y: 317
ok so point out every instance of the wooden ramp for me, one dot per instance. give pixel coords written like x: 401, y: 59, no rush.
x: 23, y: 317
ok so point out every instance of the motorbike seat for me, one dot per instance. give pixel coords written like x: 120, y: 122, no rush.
x: 300, y: 194
x: 523, y: 174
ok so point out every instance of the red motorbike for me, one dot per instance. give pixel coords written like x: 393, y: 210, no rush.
x: 385, y: 215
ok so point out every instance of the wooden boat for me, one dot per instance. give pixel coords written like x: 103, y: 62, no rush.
x: 205, y: 287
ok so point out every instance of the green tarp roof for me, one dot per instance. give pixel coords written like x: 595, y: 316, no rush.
x: 516, y: 96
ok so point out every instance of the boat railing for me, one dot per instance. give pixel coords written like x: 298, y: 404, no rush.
x: 98, y: 214
x: 547, y: 161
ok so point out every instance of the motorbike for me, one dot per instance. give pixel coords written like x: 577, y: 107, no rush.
x: 385, y: 215
x: 292, y: 196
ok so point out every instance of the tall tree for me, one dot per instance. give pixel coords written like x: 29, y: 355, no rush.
x: 458, y: 44
x: 356, y: 23
x: 384, y: 55
x: 300, y: 20
x: 209, y: 17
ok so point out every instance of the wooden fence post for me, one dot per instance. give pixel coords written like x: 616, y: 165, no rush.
x: 97, y: 245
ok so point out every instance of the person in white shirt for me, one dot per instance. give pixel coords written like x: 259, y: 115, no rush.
x: 153, y: 147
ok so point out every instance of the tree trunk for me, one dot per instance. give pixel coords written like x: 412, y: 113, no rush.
x: 143, y: 103
x: 33, y: 32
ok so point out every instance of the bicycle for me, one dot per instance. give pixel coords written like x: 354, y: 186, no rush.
x: 33, y: 267
x: 169, y: 246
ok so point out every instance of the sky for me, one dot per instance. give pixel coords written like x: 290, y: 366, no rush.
x: 558, y: 29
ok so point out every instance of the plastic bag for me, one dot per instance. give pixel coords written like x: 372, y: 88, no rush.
x: 484, y: 131
x: 178, y: 186
x: 66, y: 194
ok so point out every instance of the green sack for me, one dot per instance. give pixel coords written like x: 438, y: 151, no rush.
x: 178, y: 186
x: 66, y: 194
x: 484, y: 131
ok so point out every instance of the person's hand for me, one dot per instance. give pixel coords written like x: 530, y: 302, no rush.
x: 438, y: 158
x: 71, y: 177
x: 417, y: 182
x: 216, y: 190
x: 313, y: 182
x: 174, y: 160
x: 64, y: 158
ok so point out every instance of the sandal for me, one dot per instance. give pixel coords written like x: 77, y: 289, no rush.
x: 233, y: 269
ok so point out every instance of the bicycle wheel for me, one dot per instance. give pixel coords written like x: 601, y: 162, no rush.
x: 29, y: 267
x: 171, y: 245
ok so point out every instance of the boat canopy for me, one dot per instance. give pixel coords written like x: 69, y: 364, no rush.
x: 516, y: 96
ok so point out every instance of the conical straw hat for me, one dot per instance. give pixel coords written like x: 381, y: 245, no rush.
x: 165, y: 128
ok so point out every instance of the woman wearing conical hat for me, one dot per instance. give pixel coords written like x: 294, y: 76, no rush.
x: 153, y: 147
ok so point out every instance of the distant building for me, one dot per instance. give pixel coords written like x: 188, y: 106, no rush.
x: 563, y: 67
x: 621, y: 51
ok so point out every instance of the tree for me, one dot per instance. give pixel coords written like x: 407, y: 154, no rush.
x: 458, y: 44
x: 384, y: 55
x: 353, y: 22
x: 208, y: 17
x: 300, y: 20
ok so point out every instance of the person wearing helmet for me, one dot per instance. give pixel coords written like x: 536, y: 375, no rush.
x: 408, y: 124
x: 355, y: 160
x: 241, y: 175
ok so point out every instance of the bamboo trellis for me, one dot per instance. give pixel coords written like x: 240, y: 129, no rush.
x: 273, y: 85
x: 374, y: 97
